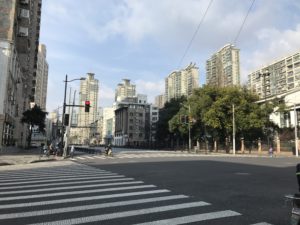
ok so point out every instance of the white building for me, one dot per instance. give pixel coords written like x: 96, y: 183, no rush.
x: 181, y: 83
x: 125, y: 90
x: 276, y: 78
x: 89, y: 90
x: 223, y: 67
x: 108, y: 127
x: 288, y: 119
x: 40, y: 95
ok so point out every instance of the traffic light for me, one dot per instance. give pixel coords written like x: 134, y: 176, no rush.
x: 87, y: 106
x: 66, y: 119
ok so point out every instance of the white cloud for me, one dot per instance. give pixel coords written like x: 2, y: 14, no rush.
x: 150, y: 88
x: 106, y: 95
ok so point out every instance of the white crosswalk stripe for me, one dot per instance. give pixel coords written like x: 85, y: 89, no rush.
x: 135, y: 156
x: 40, y: 199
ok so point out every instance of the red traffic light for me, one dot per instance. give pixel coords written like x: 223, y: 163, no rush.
x: 87, y: 106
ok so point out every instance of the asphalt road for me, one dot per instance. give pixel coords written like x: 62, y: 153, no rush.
x: 151, y: 189
x: 254, y: 187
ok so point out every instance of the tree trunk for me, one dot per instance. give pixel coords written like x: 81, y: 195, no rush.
x: 29, y: 136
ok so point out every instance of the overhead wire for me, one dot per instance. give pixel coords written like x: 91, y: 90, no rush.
x: 195, y: 33
x: 244, y: 21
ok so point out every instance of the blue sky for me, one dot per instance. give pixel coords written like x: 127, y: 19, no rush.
x: 144, y: 40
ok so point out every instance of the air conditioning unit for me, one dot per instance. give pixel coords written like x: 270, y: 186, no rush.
x: 25, y: 2
x: 23, y: 31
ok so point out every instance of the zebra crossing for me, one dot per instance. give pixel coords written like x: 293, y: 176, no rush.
x: 80, y: 194
x: 136, y: 156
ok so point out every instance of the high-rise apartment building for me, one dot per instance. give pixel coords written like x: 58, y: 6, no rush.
x: 159, y: 101
x: 276, y: 78
x: 41, y: 85
x: 108, y: 127
x: 89, y: 89
x: 181, y: 83
x: 19, y: 40
x: 125, y: 90
x: 223, y: 68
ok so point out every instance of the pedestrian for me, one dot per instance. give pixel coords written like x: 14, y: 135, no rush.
x: 72, y: 151
x: 271, y: 151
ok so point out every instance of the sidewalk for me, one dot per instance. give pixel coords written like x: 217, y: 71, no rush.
x: 17, y: 156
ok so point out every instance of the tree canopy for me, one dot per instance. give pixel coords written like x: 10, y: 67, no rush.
x: 34, y: 117
x: 211, y: 113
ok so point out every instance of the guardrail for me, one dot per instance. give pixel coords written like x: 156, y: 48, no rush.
x: 88, y: 150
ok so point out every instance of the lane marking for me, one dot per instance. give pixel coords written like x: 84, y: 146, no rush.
x: 262, y: 223
x: 193, y: 218
x: 74, y: 192
x: 89, y: 207
x: 80, y: 199
x: 110, y: 216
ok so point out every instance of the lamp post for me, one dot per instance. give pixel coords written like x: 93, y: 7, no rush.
x: 64, y: 112
x: 190, y: 141
x: 296, y: 131
x: 233, y: 130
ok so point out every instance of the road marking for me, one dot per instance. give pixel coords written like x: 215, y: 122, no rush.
x: 116, y: 215
x: 89, y: 207
x: 262, y: 223
x: 80, y: 157
x: 65, y: 183
x: 193, y: 218
x: 52, y: 172
x: 79, y: 199
x: 42, y: 180
x: 70, y: 188
x: 74, y: 192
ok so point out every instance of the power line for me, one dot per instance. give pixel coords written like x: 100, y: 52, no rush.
x: 238, y: 34
x: 194, y: 35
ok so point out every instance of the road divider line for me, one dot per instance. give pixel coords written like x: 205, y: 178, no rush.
x: 193, y: 218
x: 80, y: 199
x: 124, y: 214
x: 89, y: 207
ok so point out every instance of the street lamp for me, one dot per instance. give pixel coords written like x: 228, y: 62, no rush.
x: 64, y: 112
x: 296, y: 131
x: 233, y: 130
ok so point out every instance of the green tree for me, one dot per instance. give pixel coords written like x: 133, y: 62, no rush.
x: 170, y: 109
x: 211, y: 110
x: 34, y: 117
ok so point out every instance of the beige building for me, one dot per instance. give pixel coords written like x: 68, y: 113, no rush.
x: 19, y: 39
x: 159, y: 101
x: 181, y: 83
x: 125, y: 90
x: 276, y: 78
x: 223, y: 67
x: 41, y: 85
x: 89, y: 90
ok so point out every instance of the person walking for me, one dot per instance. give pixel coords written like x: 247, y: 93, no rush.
x: 72, y: 151
x: 271, y: 151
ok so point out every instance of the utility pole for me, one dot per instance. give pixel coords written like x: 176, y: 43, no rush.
x: 189, y: 121
x: 296, y: 131
x: 233, y: 130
